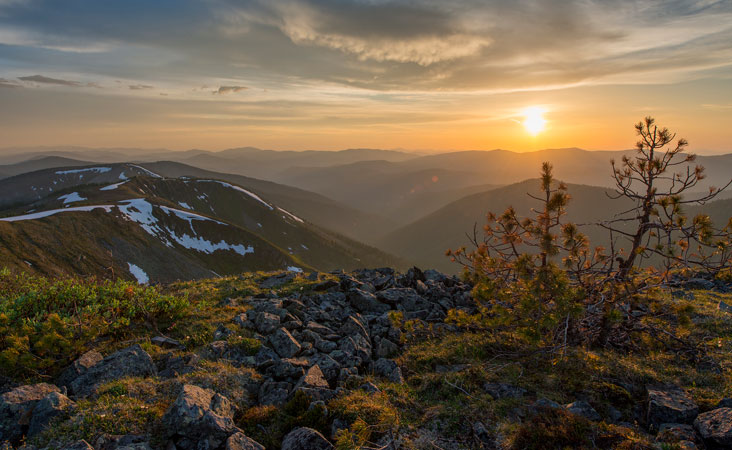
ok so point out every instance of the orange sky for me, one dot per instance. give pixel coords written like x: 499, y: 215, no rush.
x: 320, y: 74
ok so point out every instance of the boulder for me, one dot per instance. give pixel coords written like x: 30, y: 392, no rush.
x: 51, y: 406
x: 675, y: 432
x: 78, y: 445
x: 274, y: 393
x: 130, y: 362
x: 314, y: 385
x: 386, y: 348
x: 502, y: 390
x: 584, y: 409
x: 199, y: 418
x: 698, y: 283
x: 304, y: 438
x: 165, y: 342
x: 389, y: 370
x: 79, y: 367
x: 123, y: 442
x: 16, y: 408
x: 366, y: 302
x: 669, y: 404
x: 266, y: 322
x: 240, y: 441
x: 284, y: 344
x: 715, y: 427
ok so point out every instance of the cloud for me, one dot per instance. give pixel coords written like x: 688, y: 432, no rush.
x: 4, y: 83
x: 229, y: 89
x: 140, y: 87
x: 47, y: 80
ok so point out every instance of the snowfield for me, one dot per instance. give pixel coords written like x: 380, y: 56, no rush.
x: 88, y: 169
x: 138, y: 273
x: 42, y: 214
x: 71, y: 198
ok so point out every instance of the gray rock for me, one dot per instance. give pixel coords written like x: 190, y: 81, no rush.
x: 546, y: 403
x: 698, y: 283
x: 124, y: 442
x: 370, y: 387
x: 725, y: 403
x: 78, y: 445
x: 366, y: 302
x: 305, y: 439
x: 584, y: 409
x: 353, y: 326
x: 669, y: 404
x: 326, y: 346
x: 284, y: 344
x: 274, y: 393
x: 277, y: 280
x: 288, y: 368
x: 313, y: 378
x: 51, y: 406
x: 16, y: 408
x: 675, y: 432
x: 408, y: 298
x: 222, y: 333
x: 240, y: 441
x: 389, y: 370
x: 165, y: 342
x: 715, y: 427
x: 130, y: 362
x: 386, y: 348
x: 199, y: 418
x: 79, y: 367
x: 503, y: 390
x: 266, y: 323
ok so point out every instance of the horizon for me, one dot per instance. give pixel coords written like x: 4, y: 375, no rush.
x: 320, y: 74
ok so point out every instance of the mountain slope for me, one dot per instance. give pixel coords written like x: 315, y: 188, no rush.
x: 46, y: 162
x: 168, y: 229
x: 426, y: 240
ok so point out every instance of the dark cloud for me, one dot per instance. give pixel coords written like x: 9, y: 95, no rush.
x: 48, y: 80
x: 229, y: 89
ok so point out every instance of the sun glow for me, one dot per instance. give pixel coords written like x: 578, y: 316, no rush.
x: 534, y: 121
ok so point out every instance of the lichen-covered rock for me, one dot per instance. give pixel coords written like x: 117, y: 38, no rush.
x: 389, y: 370
x: 51, y: 406
x: 130, y: 362
x: 304, y: 438
x: 715, y: 427
x: 503, y: 390
x: 584, y: 409
x: 240, y: 441
x: 669, y: 404
x: 284, y: 343
x: 79, y: 367
x: 366, y: 302
x: 16, y: 409
x: 199, y: 417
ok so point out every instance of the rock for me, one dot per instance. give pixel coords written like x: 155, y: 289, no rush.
x: 240, y: 441
x: 408, y: 298
x: 170, y: 365
x: 274, y: 393
x: 389, y: 370
x: 481, y: 433
x: 722, y: 306
x: 288, y: 368
x: 326, y: 346
x: 130, y: 362
x: 546, y: 403
x: 370, y: 387
x: 698, y: 283
x: 124, y: 442
x: 165, y: 342
x: 725, y: 403
x: 199, y: 418
x: 669, y: 404
x: 222, y: 333
x: 313, y: 378
x: 353, y: 326
x: 266, y: 323
x: 715, y: 427
x: 325, y: 285
x: 675, y: 432
x: 277, y: 280
x: 584, y: 409
x: 386, y: 348
x: 284, y: 344
x: 305, y: 439
x: 502, y: 390
x: 16, y: 408
x: 50, y: 407
x: 78, y: 445
x: 79, y: 367
x: 366, y: 302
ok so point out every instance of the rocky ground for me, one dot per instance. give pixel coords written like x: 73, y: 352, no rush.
x: 364, y: 359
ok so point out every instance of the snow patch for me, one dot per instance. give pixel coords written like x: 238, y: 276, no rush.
x: 88, y: 169
x: 240, y: 189
x: 294, y: 269
x: 208, y: 247
x: 138, y: 273
x: 185, y: 205
x: 292, y: 216
x: 149, y: 172
x: 114, y: 186
x: 42, y: 214
x: 71, y: 198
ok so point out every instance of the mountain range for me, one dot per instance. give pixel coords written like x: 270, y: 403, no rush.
x: 360, y: 207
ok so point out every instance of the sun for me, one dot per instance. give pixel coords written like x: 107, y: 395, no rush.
x: 534, y: 121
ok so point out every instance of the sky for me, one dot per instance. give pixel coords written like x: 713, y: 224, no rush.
x: 332, y: 74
